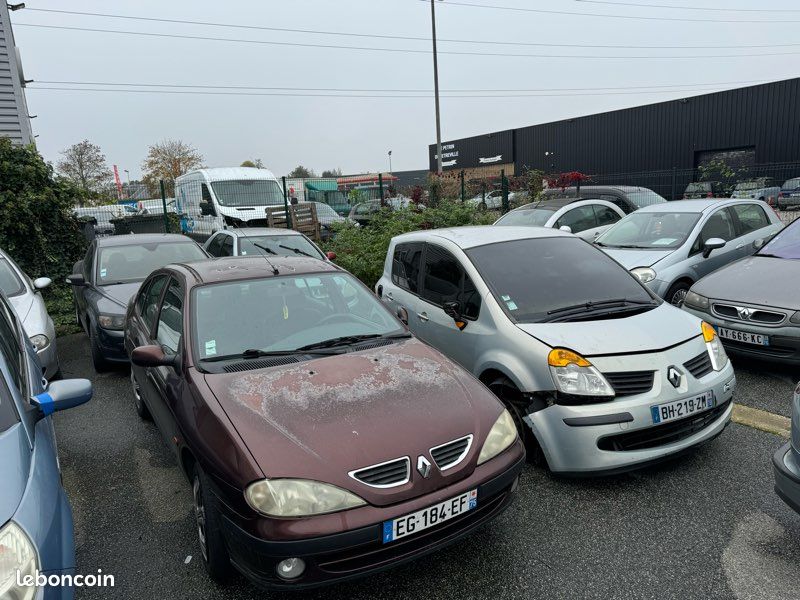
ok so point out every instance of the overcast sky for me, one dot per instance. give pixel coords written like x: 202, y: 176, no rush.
x: 355, y: 134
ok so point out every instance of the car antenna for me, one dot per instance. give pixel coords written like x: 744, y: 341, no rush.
x: 269, y: 262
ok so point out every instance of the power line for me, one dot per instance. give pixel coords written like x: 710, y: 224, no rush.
x: 606, y: 16
x: 403, y: 50
x: 397, y: 37
x: 703, y: 8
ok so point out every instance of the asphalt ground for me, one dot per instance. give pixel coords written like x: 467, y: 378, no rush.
x: 707, y: 525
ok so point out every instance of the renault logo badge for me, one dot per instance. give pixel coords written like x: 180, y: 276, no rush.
x: 424, y: 467
x: 744, y: 313
x: 674, y: 376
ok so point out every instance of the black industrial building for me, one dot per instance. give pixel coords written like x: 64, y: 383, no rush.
x: 746, y: 127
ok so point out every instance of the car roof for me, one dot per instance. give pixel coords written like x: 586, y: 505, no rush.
x: 248, y: 231
x: 228, y: 173
x: 140, y: 238
x: 233, y: 268
x: 481, y: 235
x: 697, y: 206
x: 596, y: 188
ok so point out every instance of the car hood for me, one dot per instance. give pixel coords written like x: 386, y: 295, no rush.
x: 323, y: 418
x: 22, y: 304
x: 758, y: 280
x: 656, y: 329
x: 14, y: 469
x: 120, y: 294
x: 632, y: 258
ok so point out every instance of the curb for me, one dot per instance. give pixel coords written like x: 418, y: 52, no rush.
x: 762, y: 420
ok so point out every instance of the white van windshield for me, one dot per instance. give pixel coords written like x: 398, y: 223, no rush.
x: 247, y: 192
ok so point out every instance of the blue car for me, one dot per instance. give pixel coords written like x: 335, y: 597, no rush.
x: 35, y: 516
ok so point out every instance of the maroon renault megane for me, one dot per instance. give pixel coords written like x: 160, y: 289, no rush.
x: 322, y: 441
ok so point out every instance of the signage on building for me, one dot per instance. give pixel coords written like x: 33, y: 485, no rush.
x: 497, y: 148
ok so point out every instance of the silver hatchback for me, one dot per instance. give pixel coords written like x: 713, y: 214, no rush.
x: 599, y: 374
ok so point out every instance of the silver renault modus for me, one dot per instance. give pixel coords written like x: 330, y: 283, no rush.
x: 599, y: 373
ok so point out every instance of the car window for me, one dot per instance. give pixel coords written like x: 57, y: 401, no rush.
x: 126, y: 264
x: 578, y: 219
x: 8, y: 413
x: 11, y: 349
x: 751, y: 217
x: 149, y: 301
x: 227, y: 246
x: 88, y: 263
x: 170, y: 319
x: 645, y: 198
x: 444, y: 280
x: 205, y: 193
x: 10, y: 283
x: 215, y: 246
x: 786, y: 244
x: 617, y: 201
x: 656, y: 230
x: 719, y: 225
x: 605, y: 215
x: 406, y: 265
x: 791, y: 184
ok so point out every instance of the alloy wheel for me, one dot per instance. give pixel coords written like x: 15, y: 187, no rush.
x: 678, y: 297
x: 200, y: 515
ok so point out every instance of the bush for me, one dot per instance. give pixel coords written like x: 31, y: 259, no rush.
x: 37, y: 228
x: 362, y: 250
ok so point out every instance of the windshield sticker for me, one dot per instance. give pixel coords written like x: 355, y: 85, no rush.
x: 103, y: 272
x: 285, y: 310
x: 664, y: 241
x: 511, y: 305
x: 506, y: 298
x: 211, y: 347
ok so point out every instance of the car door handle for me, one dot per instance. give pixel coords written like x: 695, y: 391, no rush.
x: 389, y: 295
x: 423, y: 317
x: 740, y: 246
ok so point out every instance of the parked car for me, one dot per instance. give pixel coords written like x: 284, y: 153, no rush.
x: 789, y: 196
x: 327, y: 217
x: 319, y: 436
x: 494, y: 199
x: 754, y: 303
x: 599, y: 374
x: 627, y: 197
x: 364, y: 212
x: 703, y: 189
x: 155, y: 206
x: 786, y: 461
x: 101, y: 216
x: 258, y: 241
x: 26, y: 298
x: 763, y: 189
x: 585, y: 218
x: 107, y: 278
x: 35, y: 515
x: 669, y: 247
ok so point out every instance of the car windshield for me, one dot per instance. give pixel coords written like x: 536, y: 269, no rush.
x: 326, y: 212
x: 532, y: 218
x: 128, y: 264
x: 645, y: 198
x: 10, y: 283
x: 747, y: 185
x: 786, y: 244
x: 792, y: 184
x: 248, y: 192
x: 288, y: 313
x: 653, y: 230
x: 280, y: 245
x: 698, y: 187
x: 558, y: 273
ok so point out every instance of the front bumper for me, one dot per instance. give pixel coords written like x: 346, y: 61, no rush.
x: 112, y: 345
x: 620, y: 435
x: 787, y: 476
x: 358, y: 552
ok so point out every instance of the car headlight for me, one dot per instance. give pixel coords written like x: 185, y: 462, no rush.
x: 575, y: 375
x: 18, y: 560
x: 716, y: 351
x: 795, y: 318
x: 114, y: 322
x: 501, y: 436
x: 40, y: 342
x: 695, y: 300
x: 298, y: 498
x: 644, y: 274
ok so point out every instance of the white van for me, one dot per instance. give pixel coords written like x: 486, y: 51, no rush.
x: 221, y: 198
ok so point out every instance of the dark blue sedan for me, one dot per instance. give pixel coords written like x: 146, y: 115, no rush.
x: 35, y: 516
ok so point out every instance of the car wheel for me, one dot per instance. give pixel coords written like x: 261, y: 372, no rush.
x: 677, y: 293
x: 99, y: 362
x: 141, y: 407
x: 208, y: 523
x: 512, y: 399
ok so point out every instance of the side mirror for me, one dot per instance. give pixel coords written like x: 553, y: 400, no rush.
x: 711, y: 245
x: 402, y: 314
x: 759, y: 244
x: 331, y: 255
x: 453, y: 310
x: 566, y: 228
x: 151, y: 356
x: 207, y: 209
x: 41, y: 282
x: 75, y: 279
x: 61, y: 395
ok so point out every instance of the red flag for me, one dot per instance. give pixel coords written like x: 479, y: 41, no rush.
x: 119, y: 183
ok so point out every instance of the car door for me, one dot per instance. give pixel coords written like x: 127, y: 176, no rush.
x: 444, y: 281
x: 752, y: 224
x: 579, y: 219
x: 720, y: 224
x: 402, y: 291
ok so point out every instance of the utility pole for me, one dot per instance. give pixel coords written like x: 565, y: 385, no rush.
x: 436, y: 91
x: 390, y: 162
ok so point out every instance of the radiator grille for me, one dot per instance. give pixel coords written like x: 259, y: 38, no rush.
x: 450, y: 454
x: 388, y: 474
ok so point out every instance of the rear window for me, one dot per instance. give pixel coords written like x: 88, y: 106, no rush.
x: 791, y: 184
x: 531, y: 218
x: 126, y: 264
x: 645, y: 198
x: 557, y: 273
x: 10, y: 283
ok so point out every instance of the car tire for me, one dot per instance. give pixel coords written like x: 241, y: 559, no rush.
x: 512, y: 399
x: 99, y: 362
x: 677, y: 293
x: 208, y: 523
x: 141, y: 407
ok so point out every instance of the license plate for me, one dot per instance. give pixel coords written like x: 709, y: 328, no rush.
x: 428, y: 517
x: 743, y: 336
x: 677, y: 409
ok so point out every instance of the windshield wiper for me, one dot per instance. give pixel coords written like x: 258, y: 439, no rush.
x: 592, y: 305
x: 254, y: 353
x: 296, y: 250
x: 594, y: 314
x: 768, y: 255
x: 265, y: 249
x: 628, y: 246
x: 349, y: 340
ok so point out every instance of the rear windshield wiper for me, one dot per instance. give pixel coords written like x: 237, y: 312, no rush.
x: 349, y: 340
x: 253, y: 353
x: 296, y: 250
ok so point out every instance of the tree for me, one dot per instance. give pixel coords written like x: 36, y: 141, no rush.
x: 167, y: 160
x: 85, y: 165
x: 301, y: 172
x: 332, y: 173
x: 253, y: 164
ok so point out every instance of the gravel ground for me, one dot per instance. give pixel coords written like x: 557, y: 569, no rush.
x: 705, y: 526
